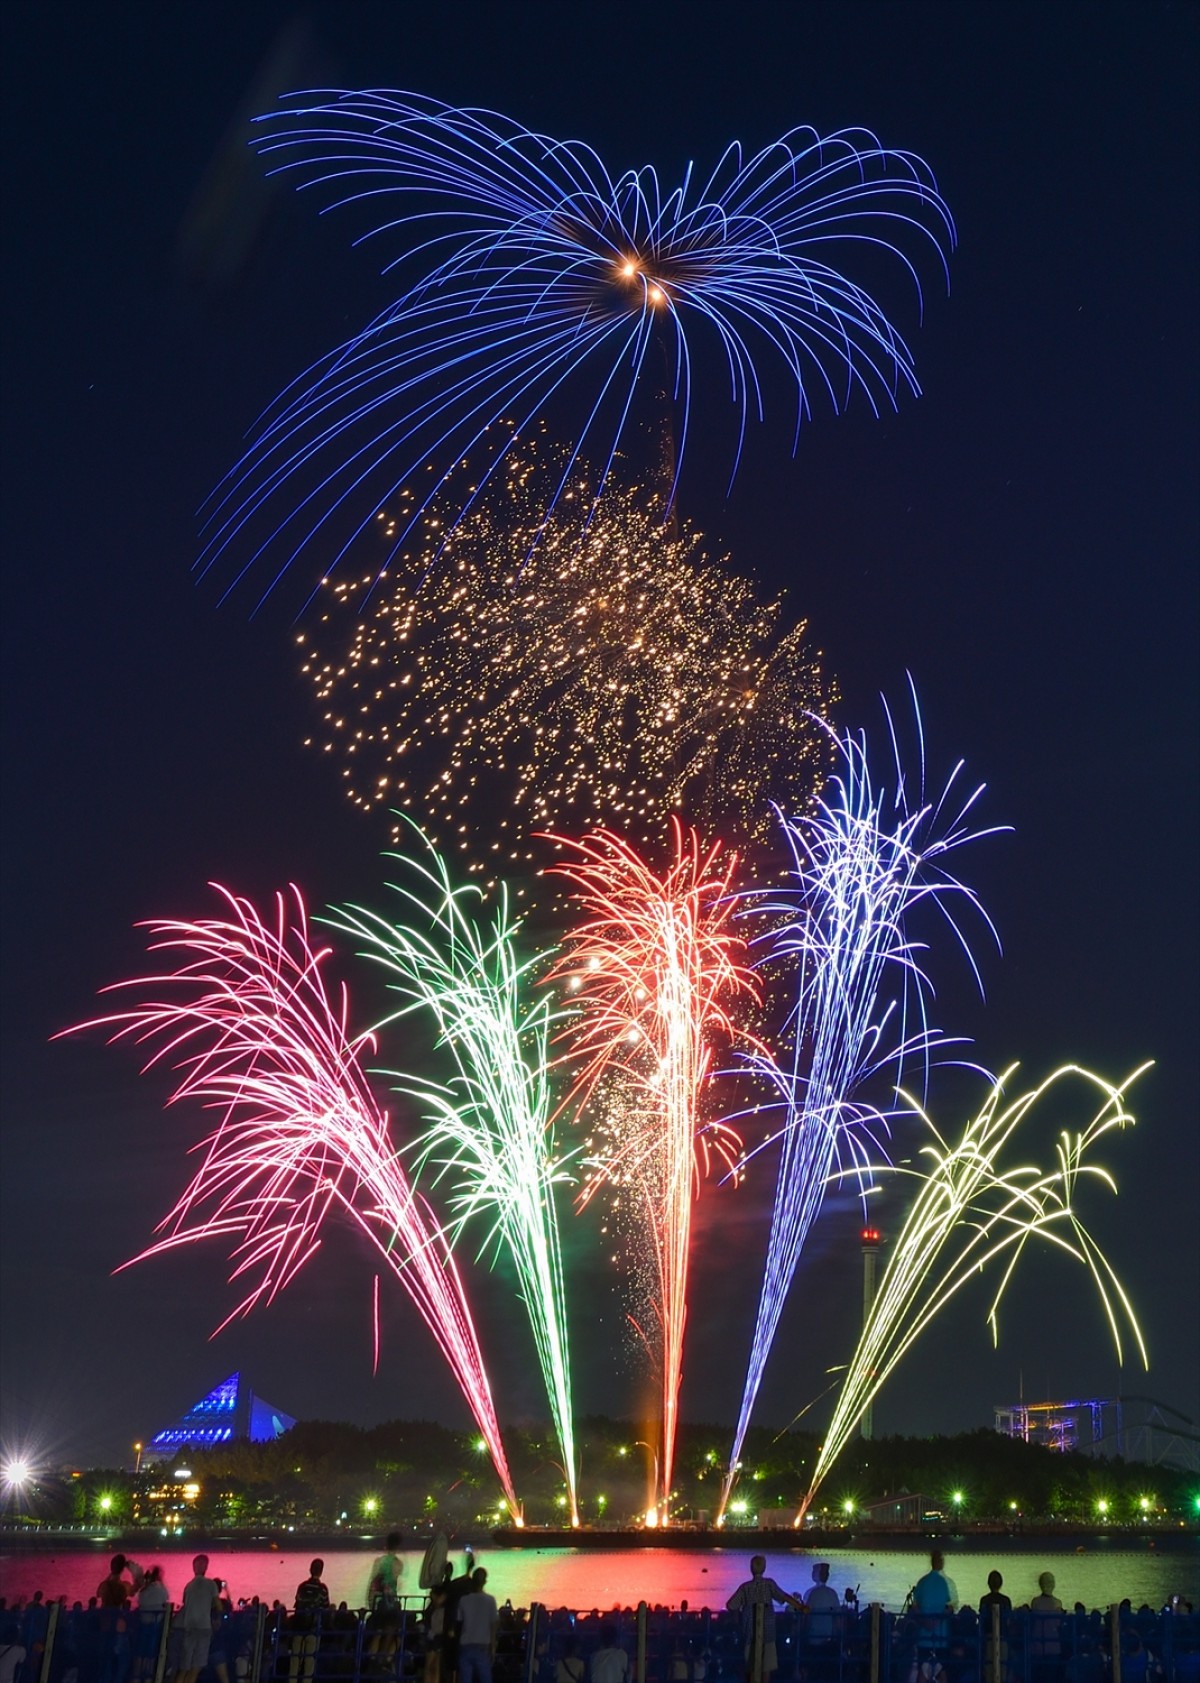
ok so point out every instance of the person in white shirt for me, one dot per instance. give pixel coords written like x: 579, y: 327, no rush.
x: 478, y: 1617
x: 153, y: 1599
x: 822, y: 1603
x: 200, y: 1597
x: 610, y: 1664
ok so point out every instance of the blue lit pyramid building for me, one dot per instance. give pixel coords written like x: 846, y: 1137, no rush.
x: 229, y: 1412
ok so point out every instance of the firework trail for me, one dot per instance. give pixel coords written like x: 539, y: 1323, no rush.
x: 862, y: 861
x: 613, y: 677
x: 653, y: 964
x: 970, y: 1214
x: 488, y: 1128
x: 535, y: 270
x: 247, y: 1024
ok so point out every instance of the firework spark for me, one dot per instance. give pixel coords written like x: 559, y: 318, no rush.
x: 970, y: 1214
x: 862, y: 861
x: 653, y: 964
x: 535, y: 270
x: 611, y: 678
x: 246, y: 1022
x: 488, y: 1129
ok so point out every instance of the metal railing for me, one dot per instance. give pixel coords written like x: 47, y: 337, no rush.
x: 260, y: 1644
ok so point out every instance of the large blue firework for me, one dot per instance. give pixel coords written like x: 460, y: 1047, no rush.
x: 529, y: 268
x: 862, y: 862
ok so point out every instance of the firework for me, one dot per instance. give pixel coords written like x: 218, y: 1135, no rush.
x: 862, y: 861
x: 653, y: 965
x: 968, y: 1215
x: 247, y: 1024
x: 488, y: 1129
x: 535, y: 271
x: 614, y: 677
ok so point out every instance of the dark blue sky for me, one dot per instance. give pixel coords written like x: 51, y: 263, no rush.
x: 1023, y: 539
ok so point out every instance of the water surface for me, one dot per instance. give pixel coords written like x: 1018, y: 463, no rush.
x: 603, y: 1578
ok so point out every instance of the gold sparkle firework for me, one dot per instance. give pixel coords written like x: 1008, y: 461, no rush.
x: 513, y: 674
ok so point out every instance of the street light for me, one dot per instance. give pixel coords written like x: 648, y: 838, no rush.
x: 16, y: 1474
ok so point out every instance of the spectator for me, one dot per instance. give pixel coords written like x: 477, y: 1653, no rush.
x: 760, y: 1591
x: 994, y: 1610
x: 383, y: 1600
x: 117, y: 1589
x: 435, y: 1628
x: 935, y: 1592
x: 822, y: 1603
x: 153, y: 1600
x: 11, y: 1652
x: 456, y: 1589
x: 1045, y: 1623
x: 200, y: 1597
x: 933, y: 1596
x: 610, y: 1664
x: 312, y: 1599
x: 478, y: 1617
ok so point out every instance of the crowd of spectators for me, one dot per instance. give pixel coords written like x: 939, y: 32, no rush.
x: 462, y: 1635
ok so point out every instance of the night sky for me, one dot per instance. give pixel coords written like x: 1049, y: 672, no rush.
x: 1022, y: 539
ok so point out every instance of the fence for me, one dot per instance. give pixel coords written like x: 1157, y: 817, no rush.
x: 259, y: 1644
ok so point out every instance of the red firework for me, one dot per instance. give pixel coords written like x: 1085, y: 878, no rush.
x: 654, y: 963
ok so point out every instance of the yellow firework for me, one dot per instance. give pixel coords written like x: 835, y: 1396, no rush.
x: 512, y: 674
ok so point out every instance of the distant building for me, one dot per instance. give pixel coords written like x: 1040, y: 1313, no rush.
x: 907, y: 1508
x: 1056, y: 1425
x: 229, y: 1412
x: 1139, y: 1428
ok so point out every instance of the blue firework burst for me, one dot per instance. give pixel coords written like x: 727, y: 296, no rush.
x: 528, y: 268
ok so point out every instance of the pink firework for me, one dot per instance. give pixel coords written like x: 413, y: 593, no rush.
x: 653, y: 963
x: 245, y: 1021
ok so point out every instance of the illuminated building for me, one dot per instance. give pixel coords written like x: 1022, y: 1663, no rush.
x: 229, y: 1412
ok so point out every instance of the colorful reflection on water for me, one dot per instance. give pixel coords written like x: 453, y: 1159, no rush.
x: 603, y: 1578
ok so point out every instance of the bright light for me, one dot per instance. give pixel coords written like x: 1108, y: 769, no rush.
x: 480, y: 1446
x: 629, y: 269
x: 957, y: 1498
x: 739, y: 1507
x: 1102, y: 1505
x: 651, y: 1519
x: 370, y: 1504
x: 106, y: 1503
x: 1144, y: 1503
x: 847, y: 1506
x: 16, y: 1473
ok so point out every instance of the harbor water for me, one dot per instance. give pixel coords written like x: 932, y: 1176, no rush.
x: 586, y: 1579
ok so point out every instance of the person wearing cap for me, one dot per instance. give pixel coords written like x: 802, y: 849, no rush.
x: 822, y: 1603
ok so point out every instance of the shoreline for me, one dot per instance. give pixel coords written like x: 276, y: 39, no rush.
x: 1050, y: 1540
